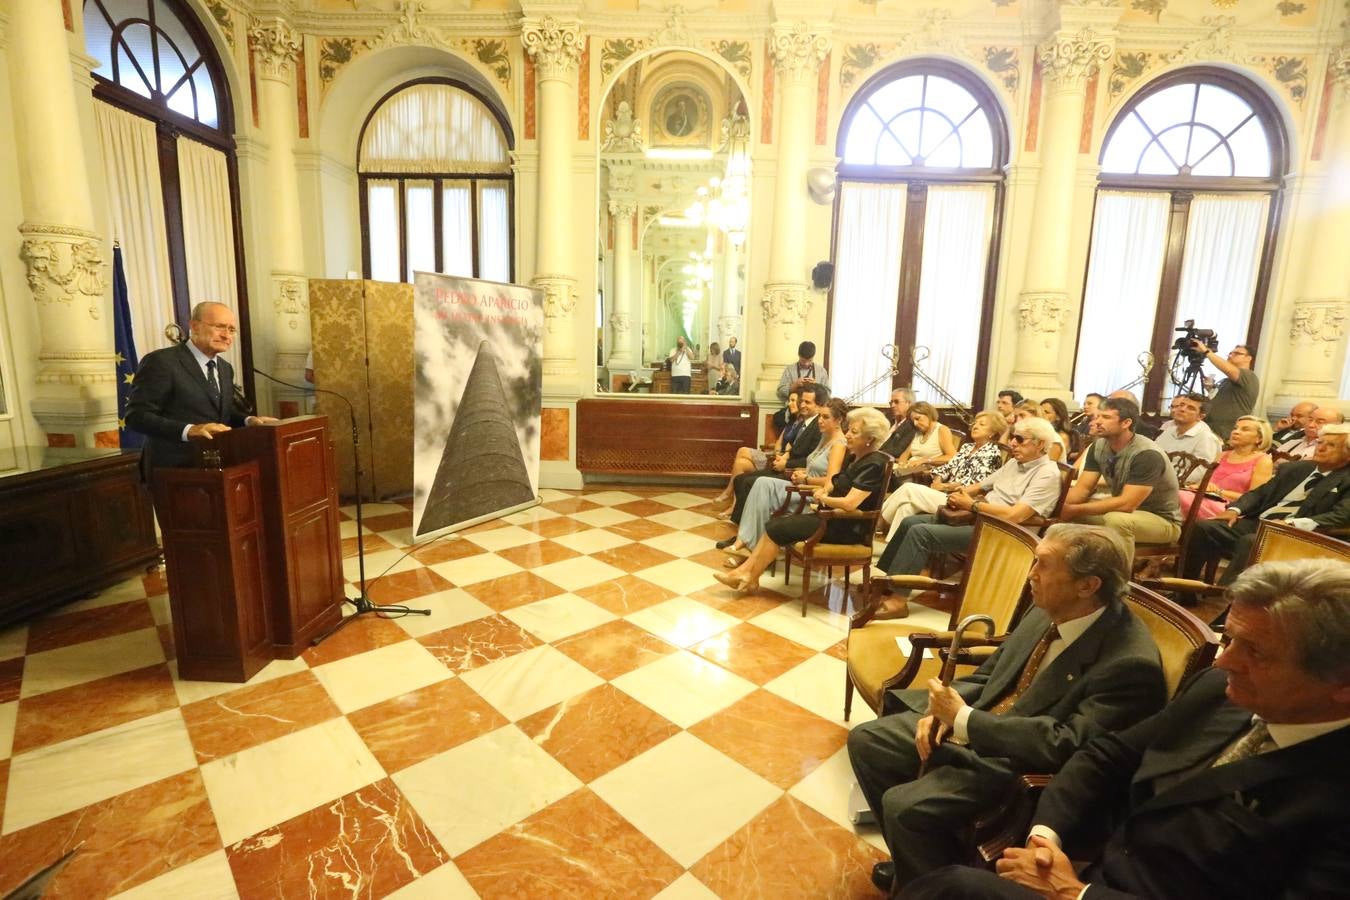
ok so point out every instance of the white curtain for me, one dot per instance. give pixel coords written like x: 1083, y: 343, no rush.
x: 419, y: 199
x: 434, y: 128
x: 457, y: 228
x: 1224, y: 237
x: 383, y: 215
x: 494, y: 233
x: 136, y: 214
x: 1129, y: 238
x: 208, y: 225
x: 867, y: 282
x: 956, y: 230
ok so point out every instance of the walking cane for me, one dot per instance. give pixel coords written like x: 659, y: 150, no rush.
x: 948, y: 670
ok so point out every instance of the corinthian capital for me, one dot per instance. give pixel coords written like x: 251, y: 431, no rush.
x: 623, y: 207
x: 553, y: 44
x: 276, y: 45
x: 1068, y: 59
x: 1339, y: 68
x: 798, y: 50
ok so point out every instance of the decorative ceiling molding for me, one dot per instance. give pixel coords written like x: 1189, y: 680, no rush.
x: 276, y: 46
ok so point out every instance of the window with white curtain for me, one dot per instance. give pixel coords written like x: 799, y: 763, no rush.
x: 436, y: 185
x: 1190, y: 179
x: 923, y: 147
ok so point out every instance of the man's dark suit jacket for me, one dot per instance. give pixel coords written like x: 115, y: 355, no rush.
x: 170, y: 393
x: 1271, y: 826
x: 802, y: 445
x: 1109, y: 678
x: 900, y: 439
x: 732, y: 357
x: 1328, y: 503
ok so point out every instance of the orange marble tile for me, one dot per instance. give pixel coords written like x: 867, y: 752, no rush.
x: 555, y: 433
x: 367, y: 633
x: 720, y: 528
x: 510, y: 591
x: 615, y: 648
x: 401, y: 587
x: 411, y: 727
x: 557, y: 527
x: 540, y: 553
x: 107, y: 439
x: 445, y: 551
x: 368, y: 843
x: 772, y: 737
x: 742, y: 606
x: 127, y: 839
x: 639, y: 529
x: 571, y: 505
x: 11, y: 679
x: 753, y: 653
x: 87, y: 625
x: 839, y: 650
x: 155, y: 583
x: 60, y: 440
x: 477, y: 643
x: 790, y: 850
x: 389, y: 521
x: 644, y: 508
x: 166, y: 641
x: 712, y: 558
x: 625, y: 595
x: 489, y: 525
x: 597, y: 731
x: 373, y: 544
x: 219, y: 726
x: 92, y: 706
x: 633, y: 557
x: 578, y: 847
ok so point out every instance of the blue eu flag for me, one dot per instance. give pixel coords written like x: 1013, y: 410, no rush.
x: 126, y: 351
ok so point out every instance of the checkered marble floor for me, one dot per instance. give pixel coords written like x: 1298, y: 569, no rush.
x: 585, y: 713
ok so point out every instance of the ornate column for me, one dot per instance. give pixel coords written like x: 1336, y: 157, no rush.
x: 554, y: 45
x: 76, y: 395
x: 623, y: 321
x: 276, y: 45
x: 1067, y: 60
x: 729, y: 323
x: 1317, y: 350
x: 798, y: 49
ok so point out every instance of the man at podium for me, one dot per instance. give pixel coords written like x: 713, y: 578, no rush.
x: 186, y: 392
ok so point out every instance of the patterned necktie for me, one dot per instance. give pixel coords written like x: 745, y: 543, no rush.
x: 1285, y: 510
x: 212, y: 386
x: 1246, y: 746
x: 1028, y: 672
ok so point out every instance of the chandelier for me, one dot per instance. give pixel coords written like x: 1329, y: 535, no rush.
x: 724, y: 202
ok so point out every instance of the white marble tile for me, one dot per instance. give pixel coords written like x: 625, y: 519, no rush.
x: 593, y: 541
x: 548, y: 495
x: 9, y: 714
x: 473, y: 569
x: 685, y: 796
x: 558, y: 617
x: 818, y: 685
x: 65, y: 666
x: 683, y: 622
x: 504, y: 538
x: 612, y: 498
x: 530, y: 516
x: 683, y: 687
x: 680, y: 543
x: 528, y: 682
x: 381, y: 562
x: 448, y: 609
x: 123, y: 591
x: 469, y: 793
x: 827, y: 788
x: 578, y: 572
x: 681, y: 499
x: 208, y: 878
x: 160, y: 610
x: 347, y: 529
x: 272, y: 782
x: 686, y: 887
x: 72, y: 774
x: 192, y: 691
x: 399, y: 537
x: 681, y: 518
x: 603, y: 516
x: 365, y: 678
x: 818, y: 629
x: 679, y: 575
x: 443, y: 883
x: 13, y: 641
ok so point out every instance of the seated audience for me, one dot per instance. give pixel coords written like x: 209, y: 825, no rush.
x: 1186, y: 431
x: 803, y: 372
x: 902, y: 429
x: 933, y: 442
x: 1140, y: 426
x: 977, y: 459
x: 808, y: 436
x: 1236, y: 790
x: 1312, y: 494
x: 1054, y: 411
x: 748, y: 459
x: 1007, y: 399
x: 768, y: 494
x: 1026, y: 485
x: 857, y: 487
x: 1085, y: 415
x: 730, y: 382
x: 1078, y: 665
x: 1305, y: 445
x: 1142, y: 506
x: 1291, y: 426
x: 1243, y: 467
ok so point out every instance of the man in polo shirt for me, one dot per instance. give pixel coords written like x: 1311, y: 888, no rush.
x: 1187, y: 432
x: 1143, y: 506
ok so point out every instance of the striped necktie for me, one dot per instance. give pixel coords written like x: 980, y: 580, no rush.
x: 1287, y: 509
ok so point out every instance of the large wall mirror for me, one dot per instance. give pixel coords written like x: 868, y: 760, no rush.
x: 674, y: 212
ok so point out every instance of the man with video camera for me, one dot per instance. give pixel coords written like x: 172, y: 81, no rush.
x: 1236, y: 395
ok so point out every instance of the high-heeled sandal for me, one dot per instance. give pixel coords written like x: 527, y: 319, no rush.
x: 739, y: 584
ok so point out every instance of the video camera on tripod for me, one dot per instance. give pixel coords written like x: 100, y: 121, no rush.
x: 1188, y: 378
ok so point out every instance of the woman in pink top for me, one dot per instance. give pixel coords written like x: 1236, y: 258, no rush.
x: 1244, y: 467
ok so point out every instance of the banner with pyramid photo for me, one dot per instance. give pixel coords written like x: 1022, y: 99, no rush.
x: 477, y: 386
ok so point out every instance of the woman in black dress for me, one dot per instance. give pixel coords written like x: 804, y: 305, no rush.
x: 857, y: 487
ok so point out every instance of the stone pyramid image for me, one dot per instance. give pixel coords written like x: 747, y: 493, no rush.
x: 482, y: 469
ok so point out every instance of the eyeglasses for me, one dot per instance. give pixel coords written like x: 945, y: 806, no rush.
x: 1019, y: 438
x: 221, y: 329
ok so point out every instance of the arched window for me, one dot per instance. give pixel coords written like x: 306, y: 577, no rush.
x: 435, y: 164
x: 1184, y: 224
x: 165, y: 124
x: 916, y: 213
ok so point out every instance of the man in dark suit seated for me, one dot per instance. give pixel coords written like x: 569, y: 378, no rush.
x: 812, y: 397
x: 1078, y: 665
x: 902, y: 429
x: 185, y: 393
x: 1313, y: 495
x: 1236, y: 790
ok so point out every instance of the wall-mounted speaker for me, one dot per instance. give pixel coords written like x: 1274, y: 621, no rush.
x: 822, y: 276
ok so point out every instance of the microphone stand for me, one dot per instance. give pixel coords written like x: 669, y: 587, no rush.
x: 363, y: 602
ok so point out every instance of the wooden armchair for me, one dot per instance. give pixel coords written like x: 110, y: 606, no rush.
x: 994, y: 584
x: 1189, y: 469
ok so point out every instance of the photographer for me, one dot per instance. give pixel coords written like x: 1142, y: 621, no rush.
x: 1236, y: 395
x: 681, y: 367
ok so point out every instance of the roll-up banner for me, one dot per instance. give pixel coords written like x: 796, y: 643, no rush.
x: 477, y: 387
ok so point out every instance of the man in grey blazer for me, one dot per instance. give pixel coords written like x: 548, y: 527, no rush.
x: 1077, y: 666
x: 185, y: 393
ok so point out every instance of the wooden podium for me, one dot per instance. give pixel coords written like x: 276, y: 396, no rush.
x: 252, y: 548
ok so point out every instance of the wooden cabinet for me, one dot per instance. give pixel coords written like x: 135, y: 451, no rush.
x: 72, y: 521
x: 660, y: 437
